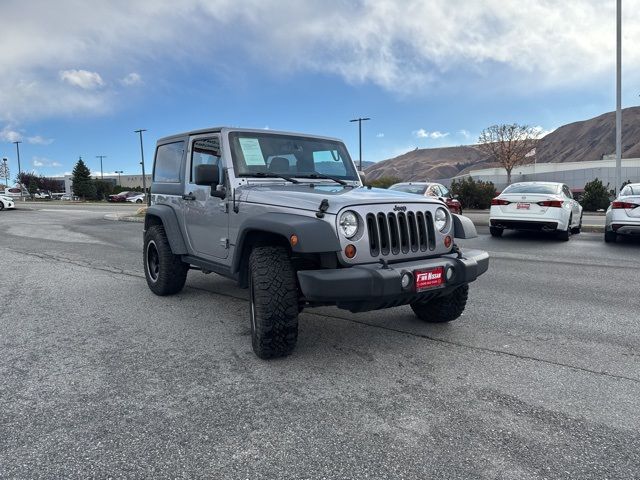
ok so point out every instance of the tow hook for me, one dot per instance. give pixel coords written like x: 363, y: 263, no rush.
x: 456, y: 249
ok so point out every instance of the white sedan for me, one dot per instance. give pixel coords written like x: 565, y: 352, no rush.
x: 136, y: 198
x: 6, y: 202
x: 543, y: 206
x: 623, y: 215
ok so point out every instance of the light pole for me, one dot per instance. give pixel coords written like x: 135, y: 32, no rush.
x: 119, y: 182
x: 144, y: 179
x: 101, y: 157
x: 19, y: 169
x: 618, y: 95
x: 360, y: 120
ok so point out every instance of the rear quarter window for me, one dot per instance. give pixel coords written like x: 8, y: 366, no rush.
x: 168, y: 163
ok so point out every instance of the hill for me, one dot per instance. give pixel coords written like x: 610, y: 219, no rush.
x: 575, y: 142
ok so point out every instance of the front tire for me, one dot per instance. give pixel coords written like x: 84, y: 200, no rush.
x: 165, y: 272
x: 273, y: 302
x: 496, y: 231
x: 443, y: 309
x: 610, y: 236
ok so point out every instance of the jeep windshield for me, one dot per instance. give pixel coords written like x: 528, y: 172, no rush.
x: 272, y: 155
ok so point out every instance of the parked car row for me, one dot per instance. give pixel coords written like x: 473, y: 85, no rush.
x: 429, y: 189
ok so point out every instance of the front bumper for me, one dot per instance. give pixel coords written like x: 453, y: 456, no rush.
x: 372, y: 286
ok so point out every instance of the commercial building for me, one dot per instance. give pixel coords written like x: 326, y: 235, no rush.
x: 126, y: 181
x: 574, y: 174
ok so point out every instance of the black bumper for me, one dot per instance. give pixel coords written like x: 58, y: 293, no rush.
x: 372, y: 287
x: 525, y: 225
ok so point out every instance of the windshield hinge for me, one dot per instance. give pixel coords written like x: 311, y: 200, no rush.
x: 324, y: 206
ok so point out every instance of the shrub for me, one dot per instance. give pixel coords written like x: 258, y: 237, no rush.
x: 383, y: 182
x: 596, y: 196
x: 472, y: 193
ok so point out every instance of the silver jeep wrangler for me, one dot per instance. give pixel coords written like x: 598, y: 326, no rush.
x: 287, y: 216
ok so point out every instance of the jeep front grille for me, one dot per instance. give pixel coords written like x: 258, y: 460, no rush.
x: 392, y: 233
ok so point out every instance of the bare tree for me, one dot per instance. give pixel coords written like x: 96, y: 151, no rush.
x: 509, y: 145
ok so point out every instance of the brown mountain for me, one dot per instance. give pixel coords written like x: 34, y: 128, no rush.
x: 574, y: 142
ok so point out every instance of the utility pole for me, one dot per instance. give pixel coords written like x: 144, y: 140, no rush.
x: 360, y: 120
x: 119, y: 181
x: 19, y: 168
x: 144, y: 178
x: 618, y: 96
x: 101, y: 157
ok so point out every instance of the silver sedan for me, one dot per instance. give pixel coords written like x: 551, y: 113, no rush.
x: 623, y: 215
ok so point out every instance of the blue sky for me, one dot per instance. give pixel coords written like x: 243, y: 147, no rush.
x: 79, y: 78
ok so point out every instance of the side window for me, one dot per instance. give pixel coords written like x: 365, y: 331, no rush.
x: 329, y: 162
x: 444, y: 191
x: 166, y: 168
x: 567, y: 192
x: 204, y: 151
x: 433, y: 191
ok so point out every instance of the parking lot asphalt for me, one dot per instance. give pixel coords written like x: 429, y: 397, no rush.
x: 540, y: 378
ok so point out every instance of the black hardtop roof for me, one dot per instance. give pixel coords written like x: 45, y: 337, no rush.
x: 202, y: 131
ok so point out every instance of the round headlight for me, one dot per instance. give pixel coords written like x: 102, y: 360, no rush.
x: 349, y: 223
x: 440, y: 219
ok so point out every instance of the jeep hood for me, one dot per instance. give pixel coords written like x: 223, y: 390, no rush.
x: 305, y: 197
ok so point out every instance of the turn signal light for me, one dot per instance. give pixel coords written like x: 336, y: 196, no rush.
x: 551, y: 203
x: 293, y: 239
x: 617, y: 204
x: 350, y: 251
x: 447, y: 241
x: 499, y: 201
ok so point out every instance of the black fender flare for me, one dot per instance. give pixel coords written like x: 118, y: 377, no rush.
x: 314, y: 235
x: 167, y: 217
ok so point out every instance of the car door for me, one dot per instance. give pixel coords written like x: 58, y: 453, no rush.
x: 206, y: 217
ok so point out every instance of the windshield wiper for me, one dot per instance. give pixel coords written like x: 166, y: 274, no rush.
x: 322, y: 175
x: 271, y: 175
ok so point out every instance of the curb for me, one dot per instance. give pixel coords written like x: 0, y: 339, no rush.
x: 118, y: 217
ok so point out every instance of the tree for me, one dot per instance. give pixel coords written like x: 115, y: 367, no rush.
x: 472, y: 193
x: 509, y: 144
x: 596, y: 196
x: 104, y: 188
x: 83, y: 185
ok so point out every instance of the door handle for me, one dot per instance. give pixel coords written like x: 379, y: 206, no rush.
x: 189, y: 196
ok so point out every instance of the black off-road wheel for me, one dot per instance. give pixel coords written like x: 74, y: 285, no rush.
x: 273, y: 302
x: 165, y: 272
x: 496, y: 231
x: 443, y: 309
x: 610, y: 236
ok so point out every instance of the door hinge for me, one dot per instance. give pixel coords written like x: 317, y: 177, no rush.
x: 224, y: 207
x: 224, y: 242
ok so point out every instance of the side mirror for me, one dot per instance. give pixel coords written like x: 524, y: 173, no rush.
x: 209, y: 175
x: 455, y: 197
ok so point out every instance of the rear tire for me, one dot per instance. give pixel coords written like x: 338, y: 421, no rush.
x: 564, y: 235
x: 496, y: 231
x: 610, y: 236
x: 443, y: 309
x: 165, y: 272
x: 273, y: 302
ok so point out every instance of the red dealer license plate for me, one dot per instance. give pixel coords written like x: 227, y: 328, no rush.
x: 523, y: 206
x: 426, y: 279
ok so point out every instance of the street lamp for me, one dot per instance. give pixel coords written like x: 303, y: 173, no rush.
x: 144, y: 179
x: 19, y: 169
x: 618, y: 95
x: 360, y: 120
x: 101, y: 157
x: 119, y: 182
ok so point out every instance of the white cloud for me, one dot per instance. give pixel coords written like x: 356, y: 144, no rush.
x: 132, y: 79
x: 39, y: 140
x: 380, y: 135
x: 465, y: 133
x: 45, y: 162
x: 422, y: 133
x: 541, y: 131
x: 82, y: 78
x: 410, y: 47
x: 7, y: 134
